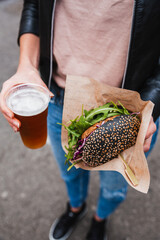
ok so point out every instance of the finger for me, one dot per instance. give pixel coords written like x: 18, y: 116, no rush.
x: 14, y: 128
x: 151, y: 129
x: 13, y: 121
x: 147, y: 144
x: 50, y: 93
x: 39, y: 81
x: 6, y: 111
x: 3, y: 107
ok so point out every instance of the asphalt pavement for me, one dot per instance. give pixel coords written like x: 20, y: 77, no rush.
x: 32, y: 193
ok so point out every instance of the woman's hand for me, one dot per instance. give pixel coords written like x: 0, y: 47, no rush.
x: 25, y: 75
x: 151, y: 129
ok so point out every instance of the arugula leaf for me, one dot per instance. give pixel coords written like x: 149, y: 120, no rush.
x: 125, y: 110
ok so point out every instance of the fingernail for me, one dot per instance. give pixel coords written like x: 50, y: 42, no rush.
x: 16, y: 124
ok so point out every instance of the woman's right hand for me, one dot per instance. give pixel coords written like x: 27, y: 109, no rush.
x: 25, y: 75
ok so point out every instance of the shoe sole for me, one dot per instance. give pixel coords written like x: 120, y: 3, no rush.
x: 69, y: 232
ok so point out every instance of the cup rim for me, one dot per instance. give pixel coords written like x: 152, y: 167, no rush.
x: 12, y: 89
x: 25, y: 84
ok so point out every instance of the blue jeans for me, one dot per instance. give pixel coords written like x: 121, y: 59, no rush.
x: 113, y: 187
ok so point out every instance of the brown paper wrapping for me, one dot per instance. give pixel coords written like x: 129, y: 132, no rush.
x: 90, y: 93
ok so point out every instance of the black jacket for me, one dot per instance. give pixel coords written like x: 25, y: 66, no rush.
x: 142, y: 72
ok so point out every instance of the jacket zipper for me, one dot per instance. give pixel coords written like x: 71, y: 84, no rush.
x: 129, y: 46
x: 51, y: 44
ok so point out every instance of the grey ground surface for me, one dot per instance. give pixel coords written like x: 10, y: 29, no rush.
x: 32, y: 194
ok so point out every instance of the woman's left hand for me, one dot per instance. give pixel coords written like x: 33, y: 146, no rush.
x: 150, y: 131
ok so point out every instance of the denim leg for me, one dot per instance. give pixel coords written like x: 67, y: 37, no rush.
x: 113, y: 187
x: 76, y: 179
x: 113, y: 191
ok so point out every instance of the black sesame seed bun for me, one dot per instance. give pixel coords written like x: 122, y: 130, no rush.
x: 110, y: 139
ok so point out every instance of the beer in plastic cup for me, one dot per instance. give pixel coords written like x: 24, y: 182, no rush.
x: 29, y: 102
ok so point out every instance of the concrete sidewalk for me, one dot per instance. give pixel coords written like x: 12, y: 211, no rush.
x: 32, y: 194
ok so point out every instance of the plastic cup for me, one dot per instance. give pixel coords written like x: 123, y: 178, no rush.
x: 29, y: 103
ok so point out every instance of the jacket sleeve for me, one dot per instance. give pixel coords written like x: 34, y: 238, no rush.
x: 29, y: 22
x: 151, y: 91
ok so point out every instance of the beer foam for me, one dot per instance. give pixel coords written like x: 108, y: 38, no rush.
x: 28, y: 102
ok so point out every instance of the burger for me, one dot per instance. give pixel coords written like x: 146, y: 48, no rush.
x: 101, y: 134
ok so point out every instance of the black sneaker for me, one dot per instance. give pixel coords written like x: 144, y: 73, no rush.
x: 62, y: 228
x: 97, y: 230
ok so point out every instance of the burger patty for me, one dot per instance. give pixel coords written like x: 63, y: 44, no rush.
x: 113, y: 137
